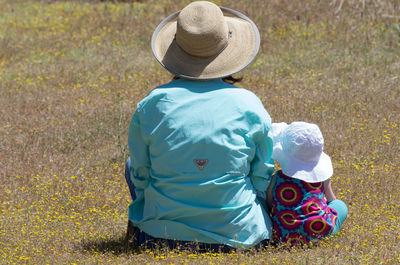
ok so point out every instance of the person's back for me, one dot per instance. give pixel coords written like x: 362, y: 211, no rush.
x: 300, y: 213
x: 202, y: 139
x: 302, y: 204
x: 199, y: 147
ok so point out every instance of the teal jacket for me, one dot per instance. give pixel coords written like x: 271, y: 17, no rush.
x: 200, y: 152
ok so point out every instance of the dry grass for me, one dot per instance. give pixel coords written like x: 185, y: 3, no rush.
x: 71, y: 74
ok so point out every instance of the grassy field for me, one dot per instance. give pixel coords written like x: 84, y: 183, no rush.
x: 72, y: 72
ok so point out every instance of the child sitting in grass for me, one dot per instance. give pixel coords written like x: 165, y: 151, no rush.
x: 300, y: 197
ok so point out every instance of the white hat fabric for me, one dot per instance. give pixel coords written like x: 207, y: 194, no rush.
x: 204, y: 41
x: 276, y: 131
x: 298, y: 148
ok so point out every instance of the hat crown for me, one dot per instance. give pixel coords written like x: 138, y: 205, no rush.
x: 201, y: 29
x: 303, y: 141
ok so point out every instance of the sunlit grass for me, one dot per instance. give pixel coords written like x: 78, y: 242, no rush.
x: 71, y: 73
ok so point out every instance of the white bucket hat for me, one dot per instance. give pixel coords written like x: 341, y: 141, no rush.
x: 298, y: 148
x: 204, y: 41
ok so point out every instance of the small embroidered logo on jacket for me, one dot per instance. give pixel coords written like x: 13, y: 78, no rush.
x: 201, y: 163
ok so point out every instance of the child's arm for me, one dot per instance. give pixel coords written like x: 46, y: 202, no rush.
x: 330, y: 196
x: 269, y: 193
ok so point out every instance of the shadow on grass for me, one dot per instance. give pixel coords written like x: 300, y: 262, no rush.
x: 115, y: 246
x: 121, y: 246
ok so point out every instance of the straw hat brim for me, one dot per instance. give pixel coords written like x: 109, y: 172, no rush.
x: 318, y: 171
x: 239, y: 52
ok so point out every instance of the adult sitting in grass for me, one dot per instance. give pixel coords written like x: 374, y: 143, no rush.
x: 200, y: 148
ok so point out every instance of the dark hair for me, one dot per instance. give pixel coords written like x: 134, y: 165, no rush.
x: 232, y: 80
x: 228, y: 79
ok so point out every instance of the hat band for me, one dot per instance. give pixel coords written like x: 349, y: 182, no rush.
x: 215, y: 55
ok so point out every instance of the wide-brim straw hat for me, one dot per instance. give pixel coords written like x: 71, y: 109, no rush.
x: 298, y: 148
x: 204, y: 41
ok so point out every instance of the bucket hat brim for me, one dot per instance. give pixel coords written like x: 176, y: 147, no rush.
x: 241, y: 49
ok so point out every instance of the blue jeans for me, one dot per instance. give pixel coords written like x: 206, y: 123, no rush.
x: 341, y: 209
x: 128, y: 179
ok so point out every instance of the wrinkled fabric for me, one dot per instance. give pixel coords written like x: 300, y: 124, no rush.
x: 200, y: 151
x: 144, y: 240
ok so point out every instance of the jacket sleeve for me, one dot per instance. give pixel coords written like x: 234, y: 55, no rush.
x: 262, y: 165
x: 140, y: 161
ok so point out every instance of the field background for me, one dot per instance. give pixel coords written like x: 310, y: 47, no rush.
x: 72, y: 72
